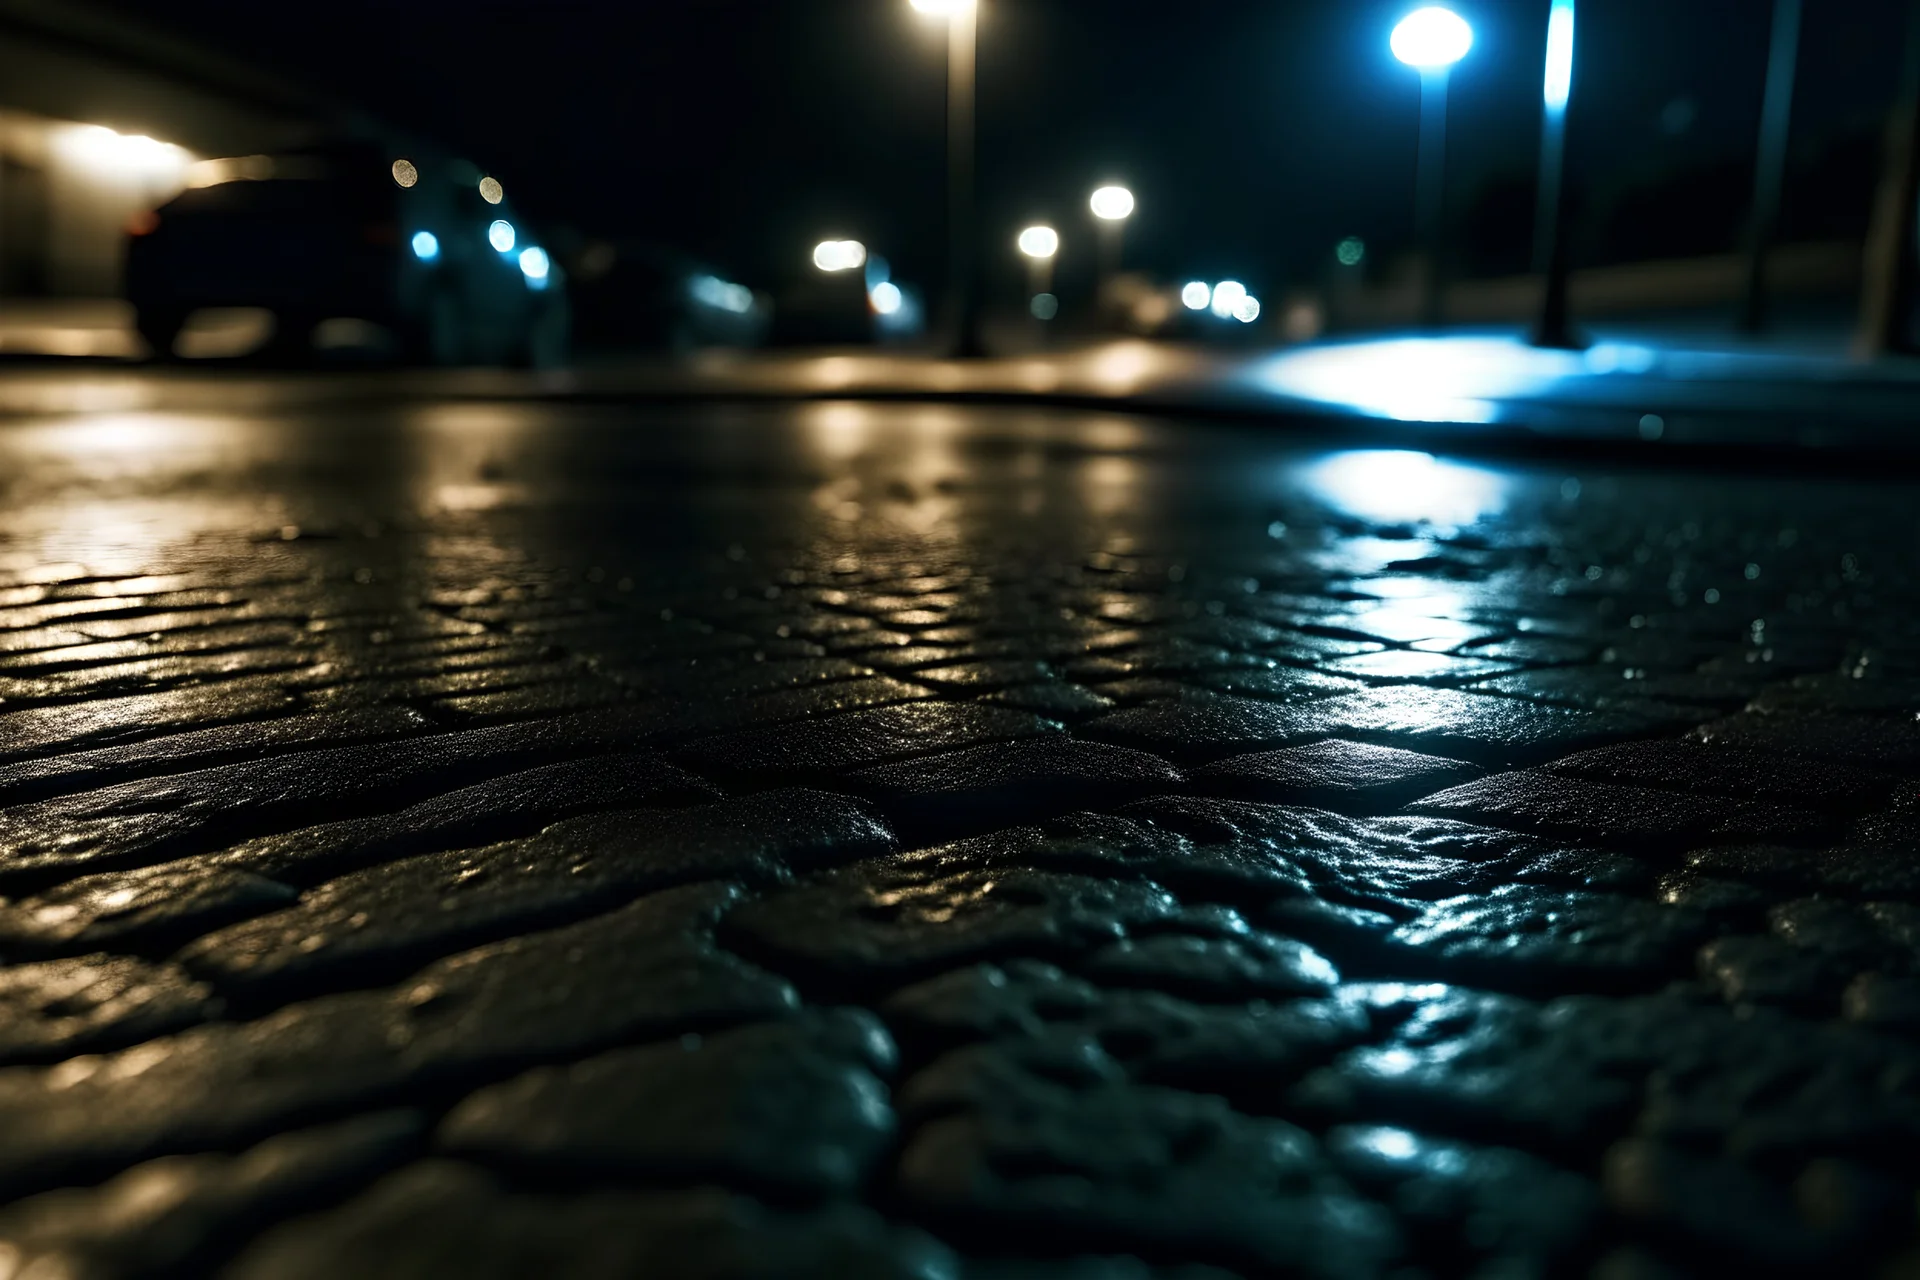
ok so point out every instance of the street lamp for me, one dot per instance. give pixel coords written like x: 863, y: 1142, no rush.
x: 839, y: 255
x: 1549, y: 233
x: 1112, y: 206
x: 962, y: 19
x: 1039, y: 244
x: 1431, y: 40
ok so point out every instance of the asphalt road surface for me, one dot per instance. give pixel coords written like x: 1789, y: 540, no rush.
x: 875, y: 840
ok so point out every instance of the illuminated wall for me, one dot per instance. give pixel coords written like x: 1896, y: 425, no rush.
x: 98, y: 123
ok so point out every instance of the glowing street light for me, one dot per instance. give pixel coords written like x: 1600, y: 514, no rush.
x: 1039, y: 242
x: 1111, y: 204
x: 839, y: 255
x: 1431, y: 40
x: 962, y: 19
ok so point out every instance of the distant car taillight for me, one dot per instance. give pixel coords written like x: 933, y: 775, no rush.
x: 144, y: 223
x: 380, y: 233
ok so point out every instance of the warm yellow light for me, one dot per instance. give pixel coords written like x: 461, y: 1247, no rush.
x: 944, y: 8
x: 491, y: 191
x: 1039, y: 242
x: 114, y: 154
x: 404, y: 173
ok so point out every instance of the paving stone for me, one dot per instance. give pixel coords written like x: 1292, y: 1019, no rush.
x: 1833, y: 692
x: 442, y: 1218
x: 1619, y: 684
x: 377, y: 922
x: 1039, y: 1017
x: 1334, y: 774
x: 898, y: 917
x: 1054, y: 699
x: 1892, y: 745
x: 839, y: 743
x: 1727, y: 1213
x: 518, y: 802
x: 1758, y: 1085
x: 188, y: 813
x: 1694, y: 977
x: 145, y: 907
x: 1537, y: 938
x: 1283, y: 851
x: 56, y: 1008
x: 1481, y: 728
x: 797, y: 1108
x: 36, y: 731
x: 1697, y: 768
x: 1414, y: 666
x: 1497, y: 1210
x: 1200, y: 725
x: 199, y: 748
x: 996, y: 785
x: 1141, y: 1169
x: 179, y: 1214
x: 1867, y: 871
x: 644, y: 972
x: 1246, y: 964
x: 1625, y: 816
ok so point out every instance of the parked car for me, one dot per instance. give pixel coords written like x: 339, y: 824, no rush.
x: 425, y: 247
x: 636, y: 296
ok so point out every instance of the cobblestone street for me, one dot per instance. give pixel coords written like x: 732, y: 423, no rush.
x: 884, y: 840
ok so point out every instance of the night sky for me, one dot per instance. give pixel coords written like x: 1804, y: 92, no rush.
x: 1255, y: 133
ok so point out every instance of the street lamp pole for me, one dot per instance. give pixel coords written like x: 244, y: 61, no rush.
x: 1776, y: 117
x: 1552, y: 328
x: 1431, y: 40
x: 962, y: 18
x: 1111, y: 206
x: 1430, y: 185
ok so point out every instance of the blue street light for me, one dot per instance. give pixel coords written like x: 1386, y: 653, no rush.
x: 1559, y: 80
x: 1431, y: 40
x: 1431, y: 37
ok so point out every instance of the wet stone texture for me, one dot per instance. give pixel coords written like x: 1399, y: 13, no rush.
x: 524, y: 840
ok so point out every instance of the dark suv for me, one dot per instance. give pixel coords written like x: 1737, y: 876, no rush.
x: 427, y: 248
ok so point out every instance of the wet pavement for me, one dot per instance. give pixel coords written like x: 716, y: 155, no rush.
x: 515, y: 838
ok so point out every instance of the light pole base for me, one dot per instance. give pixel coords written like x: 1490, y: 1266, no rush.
x: 1557, y: 337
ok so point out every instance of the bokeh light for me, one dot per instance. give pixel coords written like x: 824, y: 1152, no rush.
x: 886, y: 298
x: 1044, y: 306
x: 1196, y: 294
x: 1431, y: 38
x: 1247, y: 310
x: 1559, y: 80
x: 534, y: 263
x: 1039, y: 242
x: 1350, y: 252
x: 1227, y: 295
x: 491, y: 191
x: 839, y: 255
x: 426, y: 246
x: 1111, y: 203
x: 500, y: 235
x: 404, y: 173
